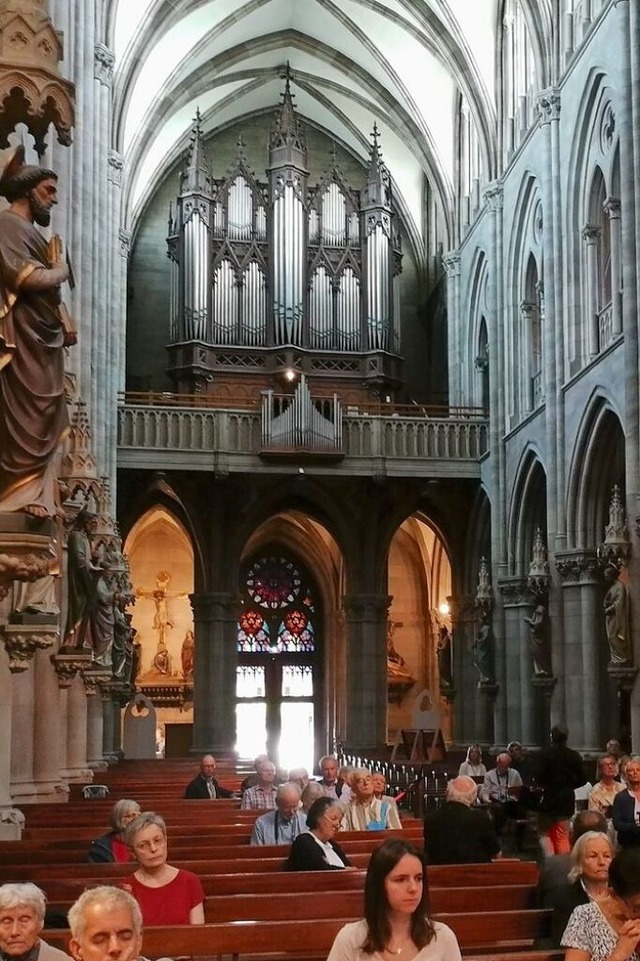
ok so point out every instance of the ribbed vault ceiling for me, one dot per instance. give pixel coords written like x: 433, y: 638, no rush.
x: 399, y: 63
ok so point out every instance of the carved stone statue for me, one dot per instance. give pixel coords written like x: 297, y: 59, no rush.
x: 82, y: 579
x: 122, y: 654
x: 482, y: 652
x: 397, y: 669
x: 187, y: 655
x: 616, y: 617
x: 540, y: 641
x: 34, y: 329
x: 443, y: 652
x: 161, y: 663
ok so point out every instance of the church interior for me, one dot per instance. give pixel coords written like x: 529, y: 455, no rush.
x: 354, y: 423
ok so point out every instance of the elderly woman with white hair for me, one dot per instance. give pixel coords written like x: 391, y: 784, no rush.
x: 112, y: 846
x: 588, y: 880
x: 22, y: 909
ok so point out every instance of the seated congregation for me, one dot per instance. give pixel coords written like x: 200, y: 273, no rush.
x: 329, y: 831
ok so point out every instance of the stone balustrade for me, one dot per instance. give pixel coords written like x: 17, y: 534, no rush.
x: 191, y: 438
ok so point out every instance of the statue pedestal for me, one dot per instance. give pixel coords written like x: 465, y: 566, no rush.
x: 26, y: 548
x: 11, y: 824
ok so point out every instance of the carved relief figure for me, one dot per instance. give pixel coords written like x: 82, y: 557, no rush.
x: 82, y: 579
x: 187, y: 655
x: 616, y: 617
x: 443, y: 653
x: 33, y: 333
x: 482, y: 652
x: 540, y: 641
x: 161, y: 663
x: 396, y: 665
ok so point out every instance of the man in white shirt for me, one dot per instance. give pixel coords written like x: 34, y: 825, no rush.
x: 283, y: 825
x: 501, y: 789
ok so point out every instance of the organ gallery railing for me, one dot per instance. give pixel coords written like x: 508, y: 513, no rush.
x: 187, y: 425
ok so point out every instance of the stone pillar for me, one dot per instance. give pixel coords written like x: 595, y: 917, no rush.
x: 527, y: 311
x: 612, y: 209
x: 366, y: 722
x: 590, y: 236
x: 215, y: 618
x: 11, y: 820
x: 451, y: 264
x: 78, y: 771
x: 21, y: 740
x: 497, y: 429
x: 582, y: 634
x: 46, y: 734
x: 107, y: 724
x: 93, y: 680
x: 518, y: 694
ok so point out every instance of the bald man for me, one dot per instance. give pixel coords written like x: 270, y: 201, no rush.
x: 205, y: 786
x: 460, y: 832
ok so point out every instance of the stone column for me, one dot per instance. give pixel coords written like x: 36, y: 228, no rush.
x: 366, y: 722
x: 612, y: 209
x: 78, y: 771
x: 92, y: 681
x: 21, y: 739
x: 47, y: 731
x: 11, y: 820
x: 497, y: 429
x: 526, y: 383
x: 215, y: 618
x: 590, y: 236
x: 518, y: 694
x: 451, y: 264
x: 582, y: 633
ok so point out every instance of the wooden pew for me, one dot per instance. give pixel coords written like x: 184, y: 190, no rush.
x: 332, y: 903
x: 516, y: 930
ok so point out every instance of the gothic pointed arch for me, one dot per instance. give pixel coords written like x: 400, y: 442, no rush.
x: 597, y: 465
x: 527, y: 511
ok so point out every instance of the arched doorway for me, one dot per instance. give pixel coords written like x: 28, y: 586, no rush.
x: 280, y: 643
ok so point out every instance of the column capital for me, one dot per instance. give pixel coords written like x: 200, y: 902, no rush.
x: 23, y: 641
x: 215, y: 606
x: 104, y: 60
x: 67, y: 666
x: 578, y: 567
x: 548, y: 104
x: 514, y: 590
x: 493, y: 194
x: 366, y: 606
x: 590, y: 233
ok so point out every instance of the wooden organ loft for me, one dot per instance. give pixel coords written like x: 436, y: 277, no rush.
x: 281, y: 280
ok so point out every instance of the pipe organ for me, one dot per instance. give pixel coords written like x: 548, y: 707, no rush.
x: 284, y: 273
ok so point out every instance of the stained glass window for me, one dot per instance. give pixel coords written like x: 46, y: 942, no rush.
x: 297, y: 680
x: 278, y: 609
x: 273, y: 582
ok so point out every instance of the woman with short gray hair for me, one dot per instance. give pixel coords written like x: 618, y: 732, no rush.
x: 166, y: 895
x: 22, y: 908
x: 112, y: 847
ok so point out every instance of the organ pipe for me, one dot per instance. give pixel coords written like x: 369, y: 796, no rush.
x: 257, y: 264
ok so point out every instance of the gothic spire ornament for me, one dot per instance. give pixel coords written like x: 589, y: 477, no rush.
x: 32, y: 89
x: 538, y: 579
x: 615, y: 547
x: 196, y: 177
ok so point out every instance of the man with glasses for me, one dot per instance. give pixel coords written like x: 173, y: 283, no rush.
x: 285, y: 823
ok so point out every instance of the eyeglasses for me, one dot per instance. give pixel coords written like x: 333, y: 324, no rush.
x: 335, y: 821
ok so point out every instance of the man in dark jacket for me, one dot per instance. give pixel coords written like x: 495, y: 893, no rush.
x: 560, y: 772
x: 205, y: 785
x: 458, y: 833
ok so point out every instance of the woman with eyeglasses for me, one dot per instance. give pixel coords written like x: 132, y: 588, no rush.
x: 316, y: 850
x: 608, y: 929
x: 397, y: 925
x: 166, y: 895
